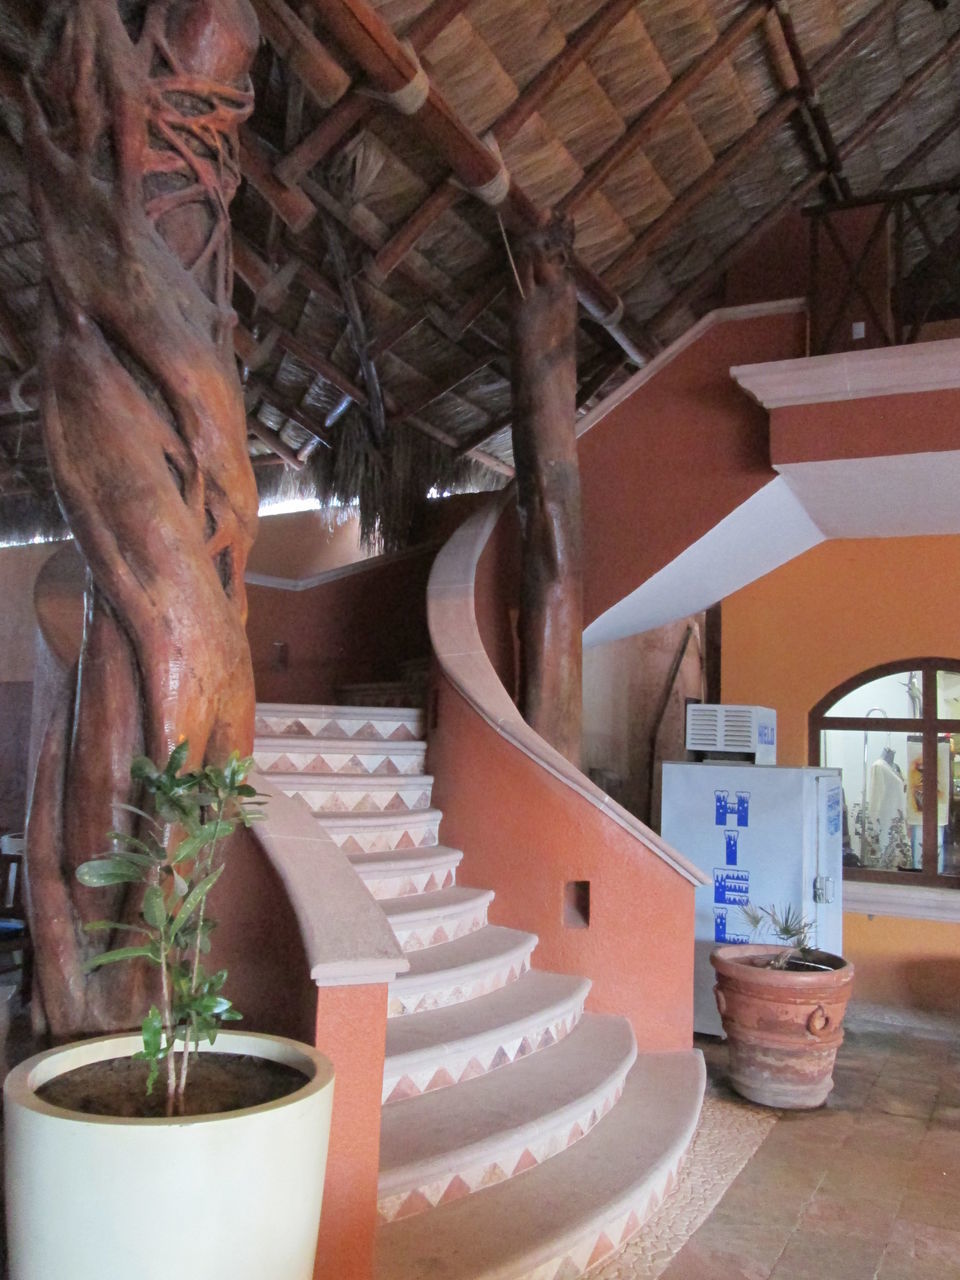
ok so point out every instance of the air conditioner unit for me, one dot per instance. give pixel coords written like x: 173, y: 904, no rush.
x: 715, y: 728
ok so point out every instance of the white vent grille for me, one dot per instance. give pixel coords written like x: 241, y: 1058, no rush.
x: 733, y: 730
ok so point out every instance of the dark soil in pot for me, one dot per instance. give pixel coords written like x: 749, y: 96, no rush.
x: 218, y: 1082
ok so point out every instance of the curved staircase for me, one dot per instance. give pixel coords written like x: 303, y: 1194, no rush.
x: 522, y: 1138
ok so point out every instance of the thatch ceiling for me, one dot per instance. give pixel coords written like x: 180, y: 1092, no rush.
x: 672, y: 131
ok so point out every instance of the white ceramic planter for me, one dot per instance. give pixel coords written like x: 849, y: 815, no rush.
x: 220, y: 1197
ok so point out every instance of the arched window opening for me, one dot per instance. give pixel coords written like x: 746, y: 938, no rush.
x: 890, y: 730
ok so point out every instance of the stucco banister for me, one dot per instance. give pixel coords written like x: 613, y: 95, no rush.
x: 346, y: 936
x: 459, y: 650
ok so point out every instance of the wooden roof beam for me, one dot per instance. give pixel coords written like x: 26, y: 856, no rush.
x: 321, y: 75
x: 652, y: 116
x: 865, y: 28
x: 811, y: 97
x: 372, y: 43
x: 356, y: 107
x: 926, y: 148
x: 909, y: 87
x: 703, y: 186
x: 698, y: 190
x: 275, y: 443
x: 506, y: 127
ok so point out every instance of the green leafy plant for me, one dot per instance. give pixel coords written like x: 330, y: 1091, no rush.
x: 787, y: 924
x: 177, y: 856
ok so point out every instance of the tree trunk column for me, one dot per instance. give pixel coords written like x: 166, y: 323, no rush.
x: 544, y: 385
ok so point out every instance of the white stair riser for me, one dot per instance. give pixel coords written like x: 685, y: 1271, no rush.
x: 349, y: 758
x: 455, y: 1066
x: 406, y: 996
x: 415, y: 935
x: 361, y: 795
x: 497, y: 1166
x: 401, y: 884
x: 366, y: 728
x: 418, y: 830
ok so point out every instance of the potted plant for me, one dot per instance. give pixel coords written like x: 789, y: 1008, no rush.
x: 99, y: 1159
x: 782, y: 1009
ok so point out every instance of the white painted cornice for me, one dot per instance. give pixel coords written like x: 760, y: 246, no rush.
x: 853, y: 375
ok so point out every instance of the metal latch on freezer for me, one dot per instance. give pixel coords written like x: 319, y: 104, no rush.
x: 823, y: 889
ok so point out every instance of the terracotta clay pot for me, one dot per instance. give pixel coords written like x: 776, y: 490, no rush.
x: 783, y: 1027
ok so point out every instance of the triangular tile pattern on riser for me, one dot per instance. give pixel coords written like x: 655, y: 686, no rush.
x: 360, y: 769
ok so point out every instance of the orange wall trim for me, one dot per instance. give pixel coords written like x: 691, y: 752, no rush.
x: 526, y: 835
x: 794, y: 635
x: 351, y: 1031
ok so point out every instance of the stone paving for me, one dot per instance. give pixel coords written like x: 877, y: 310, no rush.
x: 865, y: 1188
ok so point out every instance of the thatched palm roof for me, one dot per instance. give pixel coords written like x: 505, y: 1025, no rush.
x: 673, y: 132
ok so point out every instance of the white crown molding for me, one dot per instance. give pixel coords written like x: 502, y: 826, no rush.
x: 343, y: 571
x: 722, y: 315
x: 909, y: 901
x: 853, y: 375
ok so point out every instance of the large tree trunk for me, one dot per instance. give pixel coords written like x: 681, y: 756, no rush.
x: 544, y: 382
x: 132, y: 146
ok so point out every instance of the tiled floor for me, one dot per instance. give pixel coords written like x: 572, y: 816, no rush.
x: 866, y: 1188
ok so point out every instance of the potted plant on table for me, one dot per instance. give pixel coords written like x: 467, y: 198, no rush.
x: 782, y: 1008
x: 235, y: 1141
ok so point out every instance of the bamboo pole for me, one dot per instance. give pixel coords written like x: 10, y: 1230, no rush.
x: 356, y: 107
x: 321, y: 75
x: 506, y: 127
x: 365, y: 36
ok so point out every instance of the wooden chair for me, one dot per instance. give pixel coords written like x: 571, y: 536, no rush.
x: 15, y: 939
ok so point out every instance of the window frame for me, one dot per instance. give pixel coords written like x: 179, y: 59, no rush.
x: 930, y: 726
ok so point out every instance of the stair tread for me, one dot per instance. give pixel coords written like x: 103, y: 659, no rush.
x: 377, y: 818
x: 334, y: 710
x: 483, y: 946
x: 446, y: 1130
x: 356, y: 746
x: 438, y: 902
x: 352, y: 781
x: 555, y: 1210
x: 435, y: 855
x: 531, y: 999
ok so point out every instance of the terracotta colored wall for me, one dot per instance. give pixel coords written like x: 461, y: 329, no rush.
x: 794, y: 635
x: 351, y: 1030
x: 876, y: 426
x: 355, y: 628
x: 526, y: 835
x: 777, y: 266
x: 668, y: 463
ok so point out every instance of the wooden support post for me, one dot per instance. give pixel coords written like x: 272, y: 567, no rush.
x: 145, y: 432
x: 544, y: 383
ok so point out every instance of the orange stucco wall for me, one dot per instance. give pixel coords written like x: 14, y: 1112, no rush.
x: 525, y: 835
x: 351, y: 1031
x: 663, y: 467
x: 797, y: 633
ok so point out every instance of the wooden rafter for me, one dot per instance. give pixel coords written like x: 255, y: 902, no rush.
x: 392, y: 67
x: 356, y: 107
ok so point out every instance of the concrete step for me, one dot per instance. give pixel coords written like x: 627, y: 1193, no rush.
x: 373, y: 832
x: 428, y: 919
x: 563, y: 1216
x: 444, y: 1046
x: 338, y: 756
x: 347, y: 793
x: 450, y: 1143
x: 405, y: 871
x: 370, y: 724
x: 472, y: 966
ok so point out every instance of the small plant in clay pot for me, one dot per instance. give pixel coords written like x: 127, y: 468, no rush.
x: 789, y: 926
x: 782, y: 1010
